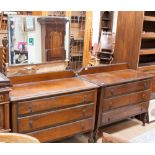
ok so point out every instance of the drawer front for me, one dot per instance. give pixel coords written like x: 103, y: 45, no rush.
x: 124, y: 112
x: 56, y: 102
x: 128, y: 99
x: 1, y: 116
x: 127, y: 88
x: 4, y: 97
x: 43, y: 120
x: 63, y: 131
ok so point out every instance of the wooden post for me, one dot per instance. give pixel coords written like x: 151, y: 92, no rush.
x: 87, y: 38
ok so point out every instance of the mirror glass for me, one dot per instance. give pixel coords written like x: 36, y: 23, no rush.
x: 38, y: 40
x: 103, y: 40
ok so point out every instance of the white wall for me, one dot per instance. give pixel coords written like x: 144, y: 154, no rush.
x: 95, y: 26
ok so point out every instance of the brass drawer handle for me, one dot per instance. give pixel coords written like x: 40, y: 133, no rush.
x: 84, y: 99
x: 30, y: 108
x: 109, y: 119
x: 84, y: 111
x: 110, y: 105
x: 144, y: 96
x: 1, y: 98
x: 112, y: 91
x: 31, y: 124
x: 145, y: 85
x: 82, y: 127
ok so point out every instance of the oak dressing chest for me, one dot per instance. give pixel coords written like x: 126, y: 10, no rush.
x: 122, y: 94
x: 53, y: 106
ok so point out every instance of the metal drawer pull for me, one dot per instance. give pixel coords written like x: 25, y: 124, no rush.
x: 82, y: 127
x: 30, y: 124
x: 112, y: 91
x: 109, y: 119
x: 84, y: 99
x: 145, y: 85
x: 30, y: 108
x: 1, y: 98
x: 144, y: 96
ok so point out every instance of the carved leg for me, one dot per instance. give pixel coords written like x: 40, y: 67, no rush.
x: 91, y: 137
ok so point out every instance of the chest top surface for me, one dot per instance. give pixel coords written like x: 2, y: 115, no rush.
x: 116, y: 77
x: 49, y: 88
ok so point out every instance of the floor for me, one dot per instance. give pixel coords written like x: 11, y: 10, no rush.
x: 126, y: 129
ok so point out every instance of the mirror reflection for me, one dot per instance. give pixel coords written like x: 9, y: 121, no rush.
x: 61, y: 41
x: 34, y: 40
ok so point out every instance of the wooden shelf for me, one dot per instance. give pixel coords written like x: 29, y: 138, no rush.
x: 148, y: 35
x: 146, y: 64
x: 149, y: 18
x: 103, y: 19
x: 147, y: 51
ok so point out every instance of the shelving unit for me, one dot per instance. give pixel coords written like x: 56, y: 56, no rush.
x: 106, y: 21
x: 77, y: 30
x: 106, y: 52
x: 147, y: 48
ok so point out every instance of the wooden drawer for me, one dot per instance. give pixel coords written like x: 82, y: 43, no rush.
x: 37, y: 121
x: 124, y: 112
x: 29, y: 107
x: 4, y: 97
x: 63, y: 131
x: 127, y: 99
x: 127, y: 88
x: 4, y: 116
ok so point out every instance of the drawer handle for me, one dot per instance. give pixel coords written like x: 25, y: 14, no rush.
x: 112, y: 91
x: 31, y: 124
x: 144, y: 96
x: 109, y: 119
x: 1, y: 98
x: 84, y: 99
x: 82, y: 127
x: 30, y: 108
x: 145, y: 85
x: 84, y: 111
x: 110, y: 105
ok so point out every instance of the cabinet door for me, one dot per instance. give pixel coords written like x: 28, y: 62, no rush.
x: 55, y: 42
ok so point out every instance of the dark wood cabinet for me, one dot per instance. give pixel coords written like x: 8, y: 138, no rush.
x: 53, y: 36
x: 54, y: 109
x: 122, y: 94
x: 4, y: 104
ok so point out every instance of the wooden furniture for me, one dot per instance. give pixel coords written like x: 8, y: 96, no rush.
x: 53, y: 106
x: 106, y: 51
x: 122, y: 94
x: 4, y: 104
x: 135, y: 40
x: 106, y: 21
x: 53, y: 35
x: 17, y: 138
